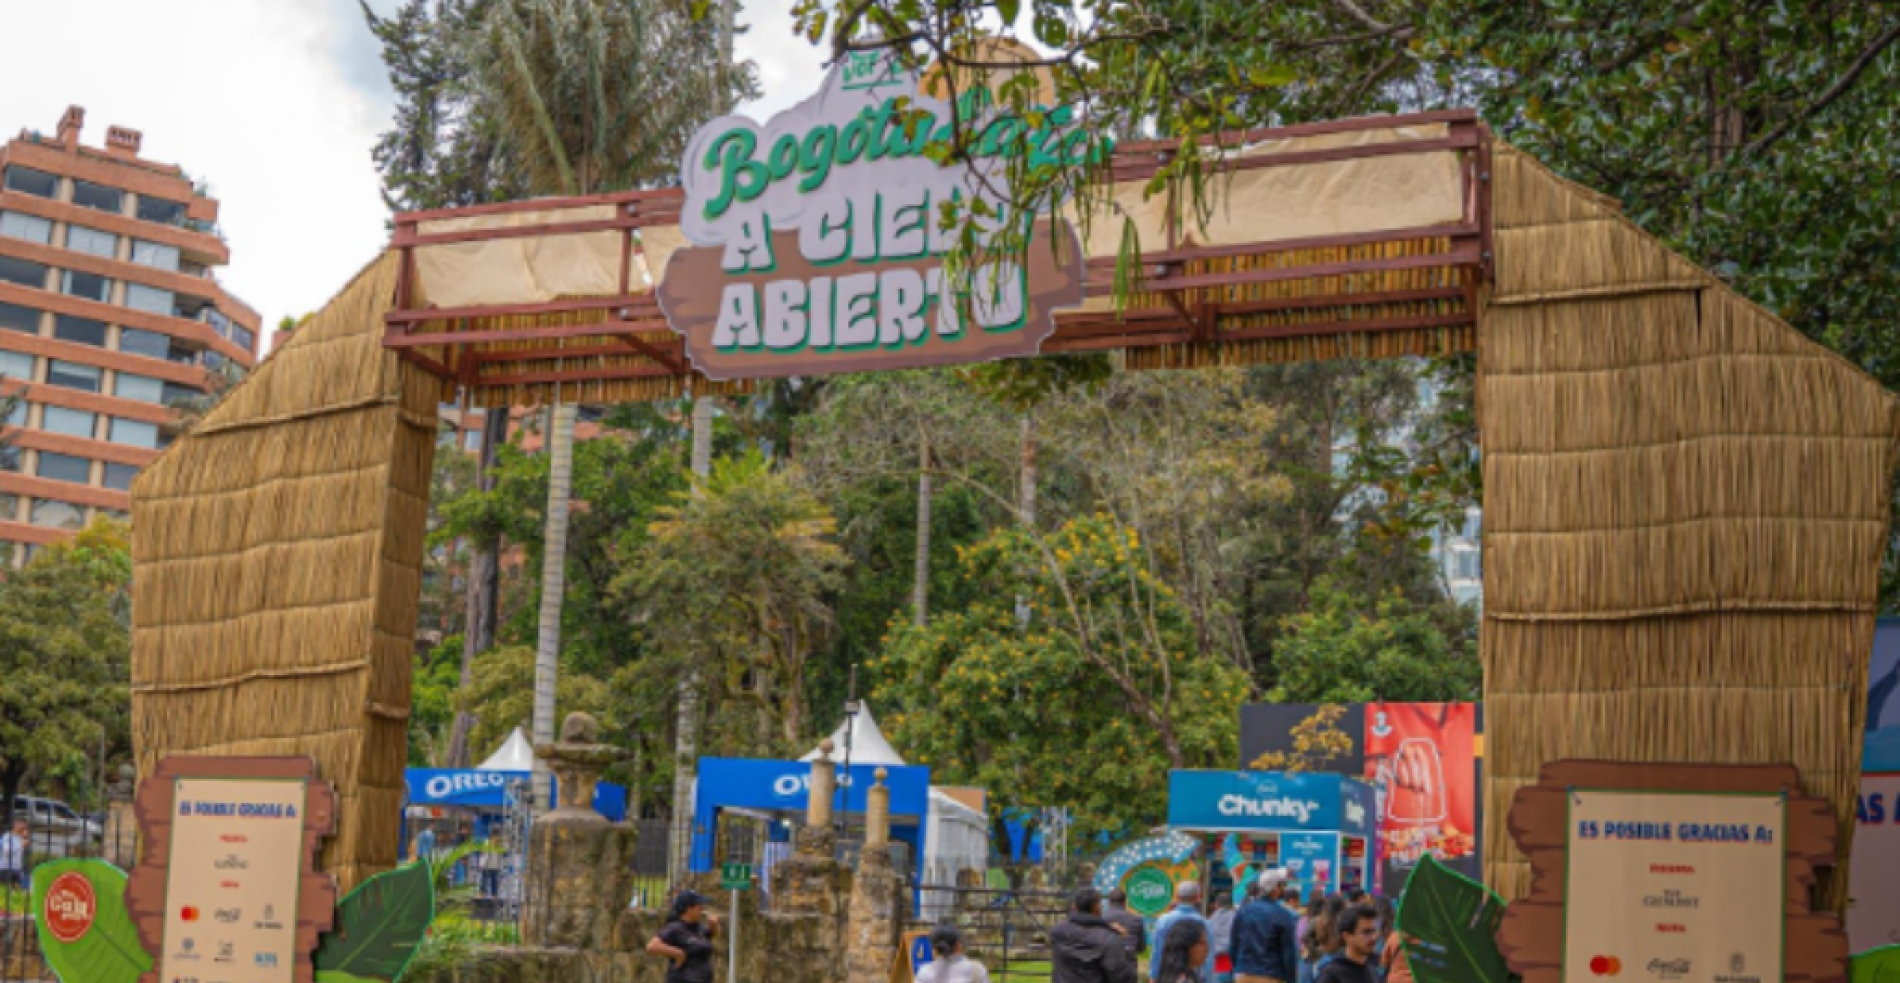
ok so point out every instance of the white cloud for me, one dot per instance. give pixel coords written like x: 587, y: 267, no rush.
x: 277, y: 103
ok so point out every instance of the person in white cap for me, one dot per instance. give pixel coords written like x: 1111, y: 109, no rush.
x: 1265, y: 947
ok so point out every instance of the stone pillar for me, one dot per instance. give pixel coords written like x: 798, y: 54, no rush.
x: 823, y: 786
x: 811, y: 890
x: 879, y: 895
x: 877, y: 815
x: 579, y: 865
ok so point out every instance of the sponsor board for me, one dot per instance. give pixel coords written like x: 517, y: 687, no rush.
x: 1674, y: 886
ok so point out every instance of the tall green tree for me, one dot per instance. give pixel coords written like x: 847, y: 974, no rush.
x: 1087, y: 704
x: 588, y: 96
x: 742, y: 569
x: 441, y: 151
x: 65, y: 654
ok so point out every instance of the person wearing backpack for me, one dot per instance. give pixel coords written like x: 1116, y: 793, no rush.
x: 1358, y: 934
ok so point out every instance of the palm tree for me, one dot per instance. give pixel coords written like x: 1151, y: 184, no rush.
x: 590, y: 96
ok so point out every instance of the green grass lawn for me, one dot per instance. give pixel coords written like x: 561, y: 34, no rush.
x: 1019, y: 970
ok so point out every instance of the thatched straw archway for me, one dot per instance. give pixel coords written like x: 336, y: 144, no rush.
x: 1686, y: 499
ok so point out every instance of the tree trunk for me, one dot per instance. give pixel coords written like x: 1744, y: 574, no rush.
x: 920, y: 587
x: 484, y: 590
x: 1026, y: 497
x: 547, y: 652
x: 686, y: 736
x: 1026, y: 490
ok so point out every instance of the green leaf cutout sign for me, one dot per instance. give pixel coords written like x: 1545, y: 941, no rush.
x: 1880, y: 965
x: 85, y: 931
x: 378, y: 927
x: 1450, y: 924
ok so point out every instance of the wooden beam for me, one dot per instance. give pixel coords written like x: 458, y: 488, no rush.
x: 395, y: 339
x: 1188, y: 254
x: 638, y: 302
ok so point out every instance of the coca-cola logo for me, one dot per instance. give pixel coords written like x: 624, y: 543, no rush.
x: 70, y: 907
x: 1669, y: 969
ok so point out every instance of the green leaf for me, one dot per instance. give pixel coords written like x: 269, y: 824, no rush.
x: 1880, y: 965
x: 378, y: 927
x: 1274, y: 76
x: 1450, y: 923
x: 327, y: 976
x: 109, y: 952
x: 1008, y: 9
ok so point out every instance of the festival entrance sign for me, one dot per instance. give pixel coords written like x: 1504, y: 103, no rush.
x: 817, y: 242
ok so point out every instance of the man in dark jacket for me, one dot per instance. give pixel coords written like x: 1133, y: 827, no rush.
x: 1086, y: 948
x: 1265, y: 950
x: 1134, y: 930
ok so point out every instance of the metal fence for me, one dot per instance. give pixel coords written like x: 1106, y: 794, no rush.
x: 54, y: 830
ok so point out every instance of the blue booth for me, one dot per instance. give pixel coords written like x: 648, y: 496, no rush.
x: 487, y: 791
x: 779, y: 790
x: 1318, y: 826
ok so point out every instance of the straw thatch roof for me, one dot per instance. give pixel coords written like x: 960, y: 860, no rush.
x: 277, y: 566
x: 1685, y: 514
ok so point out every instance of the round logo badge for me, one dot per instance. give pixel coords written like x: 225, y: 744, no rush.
x: 1150, y: 891
x: 70, y: 907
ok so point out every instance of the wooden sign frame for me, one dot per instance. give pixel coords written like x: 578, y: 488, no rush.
x: 1531, y: 936
x: 146, y: 888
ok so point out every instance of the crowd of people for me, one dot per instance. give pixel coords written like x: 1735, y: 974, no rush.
x: 1270, y: 938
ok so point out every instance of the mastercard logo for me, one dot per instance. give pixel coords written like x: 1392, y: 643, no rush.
x: 188, y: 913
x: 1606, y: 965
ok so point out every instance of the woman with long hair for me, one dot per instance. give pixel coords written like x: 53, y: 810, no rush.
x: 1183, y: 952
x: 1322, y: 936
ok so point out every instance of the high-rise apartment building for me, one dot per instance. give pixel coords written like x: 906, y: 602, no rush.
x: 110, y: 318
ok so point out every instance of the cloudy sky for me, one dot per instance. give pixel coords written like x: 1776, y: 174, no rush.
x: 276, y: 103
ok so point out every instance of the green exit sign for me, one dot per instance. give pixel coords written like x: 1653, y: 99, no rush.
x: 735, y: 877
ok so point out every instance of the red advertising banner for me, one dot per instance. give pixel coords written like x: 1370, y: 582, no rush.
x: 1419, y: 757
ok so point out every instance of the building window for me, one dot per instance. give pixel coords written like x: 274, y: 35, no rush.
x: 244, y: 337
x: 472, y: 441
x: 65, y: 467
x: 92, y: 242
x: 25, y: 320
x: 143, y: 388
x: 79, y: 330
x: 72, y: 375
x: 150, y: 344
x: 156, y: 255
x: 91, y: 286
x: 71, y: 423
x: 134, y: 433
x: 151, y: 300
x: 161, y: 210
x: 32, y: 228
x: 89, y: 195
x: 16, y: 417
x: 1466, y: 565
x: 9, y: 506
x: 55, y: 514
x: 28, y: 181
x: 175, y: 393
x: 22, y: 272
x: 119, y: 476
x: 17, y: 366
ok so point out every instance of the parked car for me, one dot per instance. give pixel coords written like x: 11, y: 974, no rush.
x: 54, y: 829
